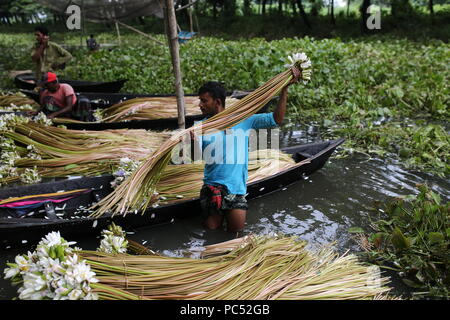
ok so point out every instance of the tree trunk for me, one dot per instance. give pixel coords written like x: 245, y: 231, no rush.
x: 303, y: 13
x: 215, y: 9
x: 333, y: 20
x: 430, y: 6
x: 247, y: 9
x: 264, y: 7
x: 364, y: 15
x: 294, y: 8
x: 348, y: 8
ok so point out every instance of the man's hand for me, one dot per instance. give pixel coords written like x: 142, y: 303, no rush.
x: 297, y: 75
x: 194, y: 136
x: 31, y: 113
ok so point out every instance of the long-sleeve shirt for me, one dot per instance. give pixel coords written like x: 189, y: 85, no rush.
x: 53, y: 54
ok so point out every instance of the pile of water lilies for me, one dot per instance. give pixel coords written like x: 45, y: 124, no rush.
x: 34, y: 149
x: 252, y: 267
x: 14, y: 102
x: 149, y: 108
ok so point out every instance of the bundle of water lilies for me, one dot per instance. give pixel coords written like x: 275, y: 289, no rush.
x: 33, y: 149
x: 148, y: 108
x: 253, y: 267
x: 133, y: 193
x: 13, y: 101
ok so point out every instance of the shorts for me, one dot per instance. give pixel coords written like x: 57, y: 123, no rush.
x: 217, y: 199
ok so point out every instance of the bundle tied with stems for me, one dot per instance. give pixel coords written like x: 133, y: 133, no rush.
x: 137, y: 192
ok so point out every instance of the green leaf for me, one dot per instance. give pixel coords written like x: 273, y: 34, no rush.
x: 355, y: 230
x: 411, y: 284
x: 399, y: 241
x: 435, y: 237
x: 70, y: 166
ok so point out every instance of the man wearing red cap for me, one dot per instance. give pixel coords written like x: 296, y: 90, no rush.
x: 59, y: 100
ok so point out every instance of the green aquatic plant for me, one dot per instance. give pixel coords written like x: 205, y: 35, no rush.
x: 411, y: 235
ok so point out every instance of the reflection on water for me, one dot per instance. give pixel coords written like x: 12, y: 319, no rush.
x: 318, y: 209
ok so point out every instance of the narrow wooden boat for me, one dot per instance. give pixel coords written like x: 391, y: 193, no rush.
x: 15, y: 227
x: 27, y: 81
x: 105, y: 100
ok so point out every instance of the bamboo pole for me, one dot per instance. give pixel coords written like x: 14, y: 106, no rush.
x: 140, y: 32
x: 118, y: 33
x: 172, y: 37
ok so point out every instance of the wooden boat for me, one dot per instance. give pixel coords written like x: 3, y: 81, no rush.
x: 14, y: 229
x: 104, y: 100
x: 27, y: 81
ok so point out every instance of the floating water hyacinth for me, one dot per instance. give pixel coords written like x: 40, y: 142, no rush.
x: 52, y: 271
x: 113, y: 241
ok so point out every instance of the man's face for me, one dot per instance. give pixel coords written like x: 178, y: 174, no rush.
x: 208, y: 105
x: 52, y: 86
x: 40, y: 36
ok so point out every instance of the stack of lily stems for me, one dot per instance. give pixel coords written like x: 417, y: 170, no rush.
x: 148, y: 108
x: 152, y: 108
x: 257, y: 267
x: 14, y: 101
x: 136, y: 192
x: 93, y: 152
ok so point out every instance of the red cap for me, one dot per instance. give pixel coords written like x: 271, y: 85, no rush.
x: 49, y: 77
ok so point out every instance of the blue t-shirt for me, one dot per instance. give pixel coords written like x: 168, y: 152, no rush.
x: 226, y: 153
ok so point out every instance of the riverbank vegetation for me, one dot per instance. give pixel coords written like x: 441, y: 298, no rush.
x: 388, y: 97
x: 411, y: 235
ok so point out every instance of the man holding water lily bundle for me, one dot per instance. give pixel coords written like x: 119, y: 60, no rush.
x: 225, y: 182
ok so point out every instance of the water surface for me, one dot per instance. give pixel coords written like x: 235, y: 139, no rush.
x: 318, y: 209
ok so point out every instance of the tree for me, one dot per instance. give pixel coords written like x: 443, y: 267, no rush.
x: 303, y: 13
x: 333, y: 20
x: 364, y: 15
x: 246, y: 9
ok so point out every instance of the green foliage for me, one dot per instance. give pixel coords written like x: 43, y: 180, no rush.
x: 413, y: 234
x: 364, y: 91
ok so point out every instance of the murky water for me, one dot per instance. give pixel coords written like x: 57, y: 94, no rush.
x: 319, y: 209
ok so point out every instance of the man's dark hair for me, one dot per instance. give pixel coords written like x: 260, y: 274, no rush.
x: 42, y: 30
x: 215, y: 89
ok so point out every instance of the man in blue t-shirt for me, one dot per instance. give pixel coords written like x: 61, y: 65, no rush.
x: 226, y: 158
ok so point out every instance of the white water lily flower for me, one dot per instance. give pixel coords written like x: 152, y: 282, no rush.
x: 91, y: 296
x: 75, y: 294
x: 44, y: 277
x: 50, y: 265
x: 30, y: 294
x: 302, y: 62
x: 34, y: 281
x: 51, y: 239
x: 80, y: 271
x: 11, y: 272
x: 23, y: 264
